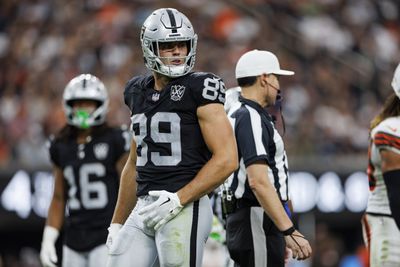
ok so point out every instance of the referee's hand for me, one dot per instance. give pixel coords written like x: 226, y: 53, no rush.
x: 299, y: 245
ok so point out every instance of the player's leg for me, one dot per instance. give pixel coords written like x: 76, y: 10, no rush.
x: 98, y: 256
x: 72, y: 258
x: 181, y: 241
x: 385, y: 241
x: 134, y: 244
x: 366, y: 233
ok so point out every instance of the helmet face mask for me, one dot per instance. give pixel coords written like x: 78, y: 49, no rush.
x: 167, y: 25
x: 85, y: 87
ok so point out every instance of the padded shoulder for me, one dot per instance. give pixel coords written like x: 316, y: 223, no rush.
x: 387, y: 134
x: 134, y: 88
x: 205, y: 87
x: 389, y: 126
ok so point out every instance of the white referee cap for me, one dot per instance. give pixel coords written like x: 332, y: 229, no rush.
x: 396, y: 81
x: 257, y: 62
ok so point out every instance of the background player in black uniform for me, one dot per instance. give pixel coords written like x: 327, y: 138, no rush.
x: 256, y: 229
x: 183, y: 148
x: 88, y: 157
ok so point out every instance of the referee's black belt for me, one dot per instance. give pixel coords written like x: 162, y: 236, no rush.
x: 246, y: 203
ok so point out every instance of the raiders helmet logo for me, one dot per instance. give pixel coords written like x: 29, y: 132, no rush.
x: 177, y: 92
x: 100, y: 151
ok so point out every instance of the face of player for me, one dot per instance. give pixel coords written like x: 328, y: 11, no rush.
x: 173, y: 53
x: 84, y: 105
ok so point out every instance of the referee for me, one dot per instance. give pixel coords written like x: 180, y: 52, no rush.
x: 259, y: 228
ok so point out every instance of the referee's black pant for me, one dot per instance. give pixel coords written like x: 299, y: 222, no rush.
x: 253, y: 240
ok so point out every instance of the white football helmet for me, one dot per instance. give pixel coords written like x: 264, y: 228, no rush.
x: 85, y: 87
x: 167, y: 25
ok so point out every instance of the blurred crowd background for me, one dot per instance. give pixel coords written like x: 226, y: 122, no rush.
x: 344, y: 53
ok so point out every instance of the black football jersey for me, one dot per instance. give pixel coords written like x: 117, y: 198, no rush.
x: 91, y: 184
x: 170, y: 146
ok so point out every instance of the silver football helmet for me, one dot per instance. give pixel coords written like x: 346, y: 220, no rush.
x: 85, y: 87
x: 167, y: 25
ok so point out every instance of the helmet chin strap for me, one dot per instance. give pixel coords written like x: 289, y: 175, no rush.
x: 173, y: 71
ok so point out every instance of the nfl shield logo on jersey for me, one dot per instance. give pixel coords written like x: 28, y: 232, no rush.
x: 177, y: 92
x: 100, y: 151
x: 155, y: 97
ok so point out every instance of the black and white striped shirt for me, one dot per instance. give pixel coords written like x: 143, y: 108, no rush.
x: 257, y: 140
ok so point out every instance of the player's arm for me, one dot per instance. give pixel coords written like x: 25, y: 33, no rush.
x: 218, y: 135
x: 55, y: 216
x: 391, y: 175
x: 120, y: 164
x: 54, y: 222
x: 127, y: 188
x: 126, y: 194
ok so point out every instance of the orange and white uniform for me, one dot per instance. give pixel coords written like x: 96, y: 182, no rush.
x: 380, y: 232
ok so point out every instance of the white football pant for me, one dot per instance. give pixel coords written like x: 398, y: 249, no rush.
x: 97, y: 257
x: 180, y: 242
x: 382, y: 238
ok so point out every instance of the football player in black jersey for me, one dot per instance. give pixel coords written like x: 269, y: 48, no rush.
x: 88, y: 157
x: 183, y: 148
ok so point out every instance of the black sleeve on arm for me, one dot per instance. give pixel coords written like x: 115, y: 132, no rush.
x: 392, y: 181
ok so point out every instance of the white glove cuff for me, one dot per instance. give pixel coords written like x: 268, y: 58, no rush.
x: 50, y: 234
x: 177, y: 200
x: 114, y: 227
